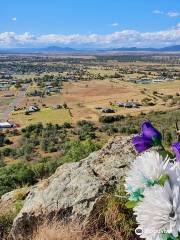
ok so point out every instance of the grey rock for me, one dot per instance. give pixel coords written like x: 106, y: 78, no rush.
x: 75, y: 188
x: 11, y: 196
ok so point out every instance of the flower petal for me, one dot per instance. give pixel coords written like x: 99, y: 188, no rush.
x: 142, y: 143
x: 176, y: 149
x: 150, y: 132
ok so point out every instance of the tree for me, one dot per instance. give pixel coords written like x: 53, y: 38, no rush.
x: 2, y: 138
x: 65, y: 105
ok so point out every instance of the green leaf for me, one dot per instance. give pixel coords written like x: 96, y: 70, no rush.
x: 168, y: 236
x: 148, y: 182
x: 137, y: 195
x: 131, y: 204
x: 156, y: 141
x: 165, y: 153
x: 163, y: 179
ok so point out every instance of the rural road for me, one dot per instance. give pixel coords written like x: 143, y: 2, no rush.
x: 14, y: 103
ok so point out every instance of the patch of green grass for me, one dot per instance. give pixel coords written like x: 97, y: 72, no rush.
x: 46, y: 115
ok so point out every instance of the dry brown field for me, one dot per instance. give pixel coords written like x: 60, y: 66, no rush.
x: 83, y: 97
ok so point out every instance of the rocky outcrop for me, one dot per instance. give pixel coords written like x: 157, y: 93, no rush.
x: 75, y: 188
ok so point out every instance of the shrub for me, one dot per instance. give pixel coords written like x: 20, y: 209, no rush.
x: 110, y: 119
x: 76, y: 150
x: 15, y: 175
x: 67, y: 125
x: 86, y: 130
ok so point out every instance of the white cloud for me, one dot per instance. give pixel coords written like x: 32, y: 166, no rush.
x: 14, y: 19
x: 173, y: 14
x: 158, y: 12
x: 169, y: 14
x: 115, y: 24
x: 125, y: 38
x: 178, y: 26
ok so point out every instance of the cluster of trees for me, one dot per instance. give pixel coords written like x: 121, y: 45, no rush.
x: 29, y: 166
x: 49, y: 138
x: 86, y: 130
x: 22, y: 173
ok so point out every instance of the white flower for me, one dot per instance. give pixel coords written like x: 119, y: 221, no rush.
x: 149, y: 166
x: 173, y: 170
x: 159, y: 211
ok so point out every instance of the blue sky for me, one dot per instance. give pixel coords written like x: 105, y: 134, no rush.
x: 89, y: 23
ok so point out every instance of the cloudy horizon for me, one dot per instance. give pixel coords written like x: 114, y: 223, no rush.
x: 124, y: 38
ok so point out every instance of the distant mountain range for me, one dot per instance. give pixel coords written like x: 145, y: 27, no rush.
x: 50, y: 49
x: 57, y: 49
x: 175, y: 48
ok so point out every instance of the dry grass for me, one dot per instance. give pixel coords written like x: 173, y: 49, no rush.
x: 59, y: 231
x: 110, y: 220
x: 71, y: 231
x: 84, y: 96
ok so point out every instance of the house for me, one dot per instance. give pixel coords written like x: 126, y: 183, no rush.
x: 143, y: 81
x: 6, y: 125
x: 121, y: 104
x: 53, y: 90
x: 160, y: 79
x: 4, y: 86
x: 107, y: 110
x: 33, y: 109
x: 49, y: 86
x: 129, y: 104
x: 14, y: 81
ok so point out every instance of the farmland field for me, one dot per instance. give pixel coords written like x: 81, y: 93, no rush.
x: 86, y: 86
x: 83, y: 97
x: 46, y: 115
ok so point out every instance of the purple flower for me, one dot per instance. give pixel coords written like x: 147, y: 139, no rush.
x: 151, y: 133
x: 142, y: 143
x: 176, y: 149
x: 149, y: 137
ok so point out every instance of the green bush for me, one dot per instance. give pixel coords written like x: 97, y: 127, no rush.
x: 110, y: 119
x: 76, y: 150
x: 15, y: 175
x: 86, y: 130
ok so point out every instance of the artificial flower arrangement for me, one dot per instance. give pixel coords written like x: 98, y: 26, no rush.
x: 153, y: 187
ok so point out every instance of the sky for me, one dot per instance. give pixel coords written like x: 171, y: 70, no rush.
x: 89, y: 23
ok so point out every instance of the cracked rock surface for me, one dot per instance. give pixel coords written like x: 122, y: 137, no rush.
x: 75, y: 188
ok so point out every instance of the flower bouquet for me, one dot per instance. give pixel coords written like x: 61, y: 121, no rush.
x: 153, y: 187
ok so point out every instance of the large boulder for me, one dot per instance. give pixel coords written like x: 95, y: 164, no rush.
x: 74, y: 190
